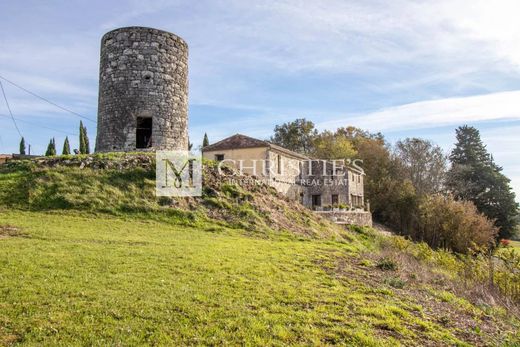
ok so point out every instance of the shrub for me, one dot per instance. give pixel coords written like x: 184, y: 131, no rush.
x: 236, y: 192
x: 456, y: 225
x: 387, y: 264
x: 400, y: 243
x: 395, y: 282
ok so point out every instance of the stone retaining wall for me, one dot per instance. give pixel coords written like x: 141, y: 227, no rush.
x: 361, y: 218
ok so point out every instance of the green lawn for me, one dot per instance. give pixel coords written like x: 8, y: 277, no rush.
x: 72, y: 279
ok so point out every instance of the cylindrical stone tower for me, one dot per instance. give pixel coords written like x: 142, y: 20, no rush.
x: 143, y: 91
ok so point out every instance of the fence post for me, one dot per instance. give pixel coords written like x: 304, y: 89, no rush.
x: 491, y: 270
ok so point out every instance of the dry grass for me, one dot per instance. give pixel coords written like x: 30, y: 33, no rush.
x: 10, y: 231
x: 442, y: 270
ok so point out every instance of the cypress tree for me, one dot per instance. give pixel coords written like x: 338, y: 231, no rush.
x: 87, y: 142
x: 205, y: 142
x: 82, y: 139
x: 48, y: 151
x: 22, y: 146
x: 474, y: 176
x: 66, y: 146
x: 51, y: 148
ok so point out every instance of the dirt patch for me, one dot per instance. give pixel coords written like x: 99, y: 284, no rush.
x: 10, y: 231
x: 9, y: 340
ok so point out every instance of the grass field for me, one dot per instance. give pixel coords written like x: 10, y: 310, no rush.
x: 68, y: 278
x: 515, y: 245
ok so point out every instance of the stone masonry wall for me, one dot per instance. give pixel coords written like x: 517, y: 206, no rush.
x: 325, y: 185
x: 361, y: 218
x: 285, y: 178
x: 143, y: 73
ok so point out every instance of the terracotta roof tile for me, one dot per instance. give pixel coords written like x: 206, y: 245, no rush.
x: 242, y: 141
x: 236, y: 141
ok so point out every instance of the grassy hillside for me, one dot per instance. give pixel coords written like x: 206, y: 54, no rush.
x: 69, y: 278
x: 89, y: 257
x: 122, y: 184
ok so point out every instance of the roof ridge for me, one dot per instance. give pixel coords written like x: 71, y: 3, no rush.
x: 237, y: 141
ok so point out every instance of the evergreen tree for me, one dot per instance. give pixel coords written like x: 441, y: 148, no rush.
x: 84, y: 145
x: 205, y: 142
x: 81, y: 138
x: 22, y: 146
x: 51, y: 148
x: 87, y: 142
x: 475, y: 177
x: 66, y: 146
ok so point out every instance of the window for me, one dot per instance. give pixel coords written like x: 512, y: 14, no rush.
x: 143, y: 133
x: 279, y: 164
x: 316, y: 200
x: 219, y: 157
x: 334, y: 199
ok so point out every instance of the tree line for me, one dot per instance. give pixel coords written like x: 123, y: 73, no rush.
x: 458, y: 201
x: 84, y: 144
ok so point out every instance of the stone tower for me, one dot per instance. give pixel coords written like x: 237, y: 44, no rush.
x: 143, y: 91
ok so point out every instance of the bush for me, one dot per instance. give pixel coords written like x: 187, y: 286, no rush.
x: 456, y: 225
x: 387, y: 264
x: 395, y: 282
x: 236, y: 192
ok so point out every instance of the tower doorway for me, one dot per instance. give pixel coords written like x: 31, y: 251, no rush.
x: 143, y: 133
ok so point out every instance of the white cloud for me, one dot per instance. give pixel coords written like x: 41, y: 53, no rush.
x: 435, y: 113
x: 493, y: 22
x: 337, y: 35
x: 502, y: 141
x: 442, y: 42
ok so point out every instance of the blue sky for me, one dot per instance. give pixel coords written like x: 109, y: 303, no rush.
x: 406, y: 68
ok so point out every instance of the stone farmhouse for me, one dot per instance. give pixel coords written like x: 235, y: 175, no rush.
x: 319, y: 185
